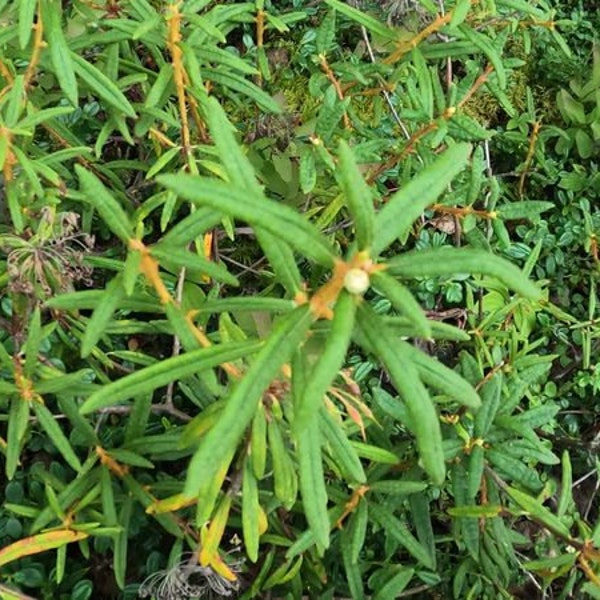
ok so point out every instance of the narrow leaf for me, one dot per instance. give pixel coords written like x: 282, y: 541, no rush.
x: 219, y: 443
x: 170, y: 369
x: 448, y: 261
x: 109, y: 209
x: 312, y: 484
x: 358, y: 194
x: 59, y: 50
x: 405, y: 206
x: 98, y: 82
x: 254, y: 209
x: 39, y: 543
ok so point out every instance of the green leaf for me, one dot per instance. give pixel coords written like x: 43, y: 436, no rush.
x: 18, y: 419
x: 341, y: 449
x: 394, y: 586
x: 191, y: 227
x: 99, y: 83
x: 239, y: 84
x: 25, y: 21
x: 312, y: 484
x: 220, y: 442
x: 398, y: 487
x: 565, y: 501
x: 443, y: 379
x: 491, y: 393
x: 59, y: 50
x: 403, y: 301
x: 102, y: 315
x: 399, y: 531
x: 370, y: 23
x: 358, y: 529
x: 254, y: 209
x: 32, y: 345
x: 405, y: 206
x: 193, y: 262
x: 328, y: 364
x: 539, y: 512
x: 403, y: 373
x: 170, y: 369
x: 359, y: 197
x: 281, y: 258
x: 460, y: 12
x: 285, y: 482
x: 352, y: 568
x: 486, y: 47
x: 326, y: 33
x: 374, y: 453
x: 571, y: 110
x: 40, y: 116
x: 50, y: 425
x: 109, y: 209
x: 530, y: 209
x: 250, y: 513
x: 121, y: 544
x: 448, y: 261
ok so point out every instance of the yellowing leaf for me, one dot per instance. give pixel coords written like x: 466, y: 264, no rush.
x: 39, y: 543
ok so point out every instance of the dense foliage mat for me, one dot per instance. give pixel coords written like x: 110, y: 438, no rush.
x: 298, y: 299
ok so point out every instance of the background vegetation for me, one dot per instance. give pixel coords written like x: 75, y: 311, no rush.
x: 298, y: 299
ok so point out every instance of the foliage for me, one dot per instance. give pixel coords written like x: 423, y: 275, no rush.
x: 274, y: 321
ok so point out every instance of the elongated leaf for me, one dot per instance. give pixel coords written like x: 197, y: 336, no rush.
x: 240, y: 84
x: 329, y: 362
x: 452, y: 261
x: 98, y: 82
x: 490, y: 394
x: 285, y: 482
x: 18, y: 417
x: 484, y: 44
x: 529, y: 209
x: 32, y: 345
x: 221, y: 441
x: 342, y: 451
x: 372, y: 24
x: 191, y: 227
x: 358, y: 529
x: 194, y: 262
x: 359, y: 197
x: 393, y: 587
x: 281, y: 257
x: 404, y: 375
x: 539, y: 512
x: 398, y: 487
x: 405, y: 206
x: 59, y: 50
x: 121, y: 542
x: 39, y: 543
x: 170, y: 369
x: 250, y: 513
x: 55, y: 433
x: 437, y: 375
x: 102, y: 315
x: 109, y: 209
x: 403, y: 301
x: 400, y: 532
x: 254, y: 209
x: 312, y: 484
x: 25, y: 21
x: 352, y: 568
